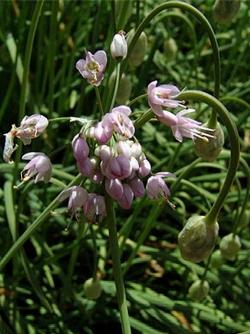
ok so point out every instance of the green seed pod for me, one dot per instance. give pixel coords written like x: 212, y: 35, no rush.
x: 198, y: 290
x: 225, y: 11
x: 170, y: 49
x: 197, y: 239
x: 216, y: 259
x: 124, y: 89
x: 92, y: 288
x: 209, y: 150
x: 138, y: 52
x: 229, y: 246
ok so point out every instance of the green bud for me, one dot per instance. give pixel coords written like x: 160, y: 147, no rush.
x: 198, y: 290
x: 225, y: 10
x: 197, y: 239
x: 170, y: 49
x: 209, y: 150
x: 92, y: 288
x: 216, y: 259
x: 229, y: 246
x: 124, y: 89
x: 138, y: 52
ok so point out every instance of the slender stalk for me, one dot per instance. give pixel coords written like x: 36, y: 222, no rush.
x: 115, y: 252
x: 211, y: 217
x: 137, y: 99
x: 117, y: 79
x: 99, y: 99
x: 34, y: 226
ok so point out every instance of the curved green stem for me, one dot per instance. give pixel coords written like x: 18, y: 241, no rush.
x: 202, y: 19
x: 211, y: 217
x: 34, y: 226
x: 117, y: 80
x: 137, y: 99
x: 115, y: 252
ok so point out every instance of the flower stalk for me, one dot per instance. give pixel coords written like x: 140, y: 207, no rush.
x: 115, y: 251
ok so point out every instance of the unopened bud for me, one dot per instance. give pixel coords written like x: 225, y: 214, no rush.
x: 216, y: 259
x: 197, y: 239
x: 225, y: 10
x: 139, y: 50
x: 119, y: 46
x: 124, y: 89
x: 209, y: 150
x: 229, y: 246
x: 92, y: 288
x: 198, y: 290
x: 170, y: 49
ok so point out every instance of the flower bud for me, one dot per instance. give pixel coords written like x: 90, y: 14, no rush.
x: 119, y: 46
x: 170, y: 49
x: 197, y: 239
x: 229, y: 246
x: 124, y: 89
x: 225, y: 10
x: 139, y: 50
x: 209, y: 150
x: 216, y: 259
x: 80, y: 148
x: 92, y: 288
x: 198, y: 290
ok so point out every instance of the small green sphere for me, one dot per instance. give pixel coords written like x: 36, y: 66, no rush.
x: 229, y: 246
x: 92, y: 288
x: 198, y: 290
x: 216, y: 259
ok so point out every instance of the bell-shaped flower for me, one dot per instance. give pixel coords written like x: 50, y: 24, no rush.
x: 95, y: 208
x: 185, y: 127
x: 144, y: 168
x: 93, y: 66
x: 39, y: 166
x: 85, y: 167
x: 119, y: 46
x: 156, y: 186
x: 162, y: 96
x: 80, y: 148
x: 77, y: 198
x: 31, y: 127
x: 114, y: 188
x: 103, y: 131
x: 120, y: 121
x: 127, y: 197
x: 137, y: 187
x: 117, y: 168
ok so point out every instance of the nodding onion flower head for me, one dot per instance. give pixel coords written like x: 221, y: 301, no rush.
x: 93, y: 66
x: 164, y: 96
x: 197, y: 239
x: 229, y: 246
x: 39, y: 166
x: 225, y: 10
x: 77, y: 198
x: 119, y: 46
x: 198, y: 290
x: 156, y: 186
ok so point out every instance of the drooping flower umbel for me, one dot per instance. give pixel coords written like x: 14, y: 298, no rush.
x: 164, y: 96
x: 119, y: 46
x: 93, y: 66
x: 39, y: 167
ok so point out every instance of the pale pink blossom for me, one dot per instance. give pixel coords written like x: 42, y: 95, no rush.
x: 144, y: 168
x: 137, y: 187
x: 39, y: 166
x: 95, y: 208
x: 162, y: 96
x: 114, y: 188
x: 119, y: 46
x: 127, y: 197
x: 185, y: 127
x: 117, y: 168
x: 77, y: 198
x: 80, y: 148
x: 156, y: 186
x: 103, y: 132
x: 93, y: 66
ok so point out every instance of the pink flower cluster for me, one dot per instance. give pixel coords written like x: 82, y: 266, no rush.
x: 117, y: 159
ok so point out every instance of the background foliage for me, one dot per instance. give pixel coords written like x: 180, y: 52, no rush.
x: 41, y: 289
